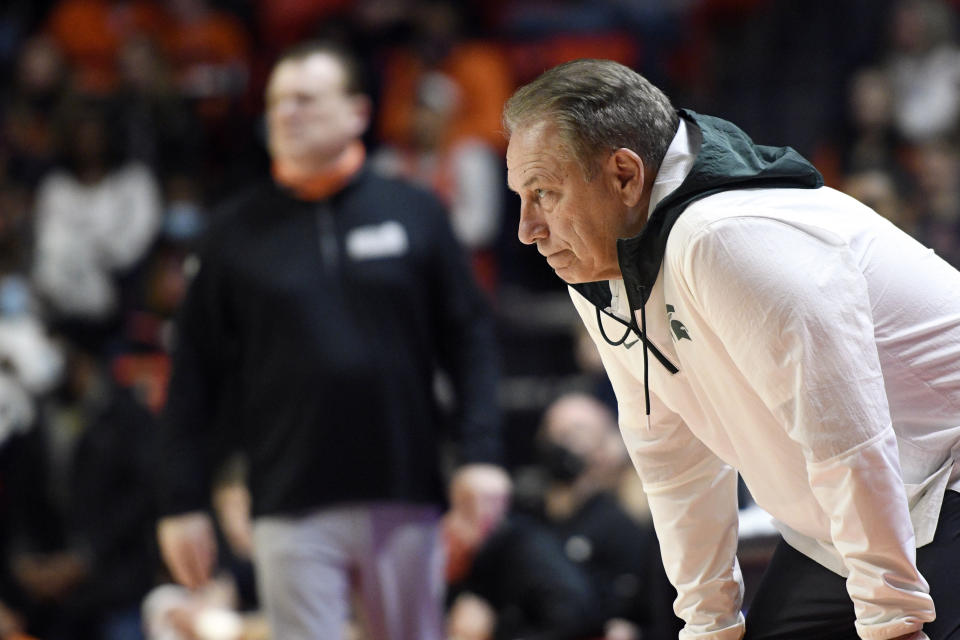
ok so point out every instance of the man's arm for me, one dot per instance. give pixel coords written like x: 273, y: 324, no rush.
x: 468, y: 349
x: 692, y: 497
x: 811, y: 356
x: 200, y: 354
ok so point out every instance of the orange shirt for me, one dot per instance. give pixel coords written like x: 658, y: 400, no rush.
x: 322, y: 184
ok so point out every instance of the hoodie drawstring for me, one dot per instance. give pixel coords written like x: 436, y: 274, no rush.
x: 642, y: 335
x: 604, y: 333
x: 646, y: 366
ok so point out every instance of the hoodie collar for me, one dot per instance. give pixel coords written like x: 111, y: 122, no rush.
x: 676, y: 164
x: 727, y: 159
x: 707, y: 155
x: 320, y: 185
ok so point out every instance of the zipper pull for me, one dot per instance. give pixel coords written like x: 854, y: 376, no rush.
x: 329, y: 250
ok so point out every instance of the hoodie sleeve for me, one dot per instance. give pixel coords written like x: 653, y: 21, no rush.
x: 811, y: 356
x: 692, y: 496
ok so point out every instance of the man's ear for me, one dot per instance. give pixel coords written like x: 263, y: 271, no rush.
x: 626, y: 171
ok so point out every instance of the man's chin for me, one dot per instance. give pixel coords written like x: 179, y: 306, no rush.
x: 570, y: 276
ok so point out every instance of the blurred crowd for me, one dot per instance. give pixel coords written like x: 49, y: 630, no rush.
x: 123, y: 125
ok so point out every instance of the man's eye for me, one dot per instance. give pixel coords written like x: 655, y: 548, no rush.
x: 540, y: 193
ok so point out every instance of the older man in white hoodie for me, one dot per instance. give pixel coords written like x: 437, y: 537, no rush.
x: 753, y: 320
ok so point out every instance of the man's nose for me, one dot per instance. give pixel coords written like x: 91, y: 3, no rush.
x: 532, y: 227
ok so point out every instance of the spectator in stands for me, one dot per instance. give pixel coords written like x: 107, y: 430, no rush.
x: 160, y: 131
x: 476, y: 67
x: 509, y: 575
x: 162, y: 282
x: 30, y: 365
x: 41, y: 78
x: 80, y: 549
x: 309, y: 339
x: 938, y: 198
x: 465, y: 172
x: 439, y: 123
x: 157, y: 127
x: 96, y: 217
x: 16, y: 294
x: 873, y: 141
x: 210, y: 53
x: 924, y: 69
x: 584, y: 458
x: 879, y: 190
x: 12, y: 621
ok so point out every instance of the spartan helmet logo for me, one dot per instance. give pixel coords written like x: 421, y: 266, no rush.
x: 678, y: 329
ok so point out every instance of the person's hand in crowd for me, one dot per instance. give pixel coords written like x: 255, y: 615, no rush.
x: 189, y: 547
x: 470, y: 618
x: 479, y: 499
x: 480, y: 496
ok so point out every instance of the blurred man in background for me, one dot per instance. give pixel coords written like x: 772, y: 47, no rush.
x: 309, y: 340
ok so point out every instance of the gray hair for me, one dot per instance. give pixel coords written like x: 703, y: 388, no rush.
x: 598, y: 106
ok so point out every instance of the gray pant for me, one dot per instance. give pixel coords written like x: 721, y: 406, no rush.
x: 387, y: 555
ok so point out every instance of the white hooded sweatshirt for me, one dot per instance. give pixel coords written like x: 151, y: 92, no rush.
x: 818, y: 354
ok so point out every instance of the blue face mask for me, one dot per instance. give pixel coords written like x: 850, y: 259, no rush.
x: 183, y: 220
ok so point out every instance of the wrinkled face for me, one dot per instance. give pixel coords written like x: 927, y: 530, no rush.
x: 310, y: 116
x: 574, y: 223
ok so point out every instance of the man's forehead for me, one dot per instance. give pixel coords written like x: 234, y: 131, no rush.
x: 534, y: 152
x: 576, y: 413
x: 531, y: 136
x: 315, y: 73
